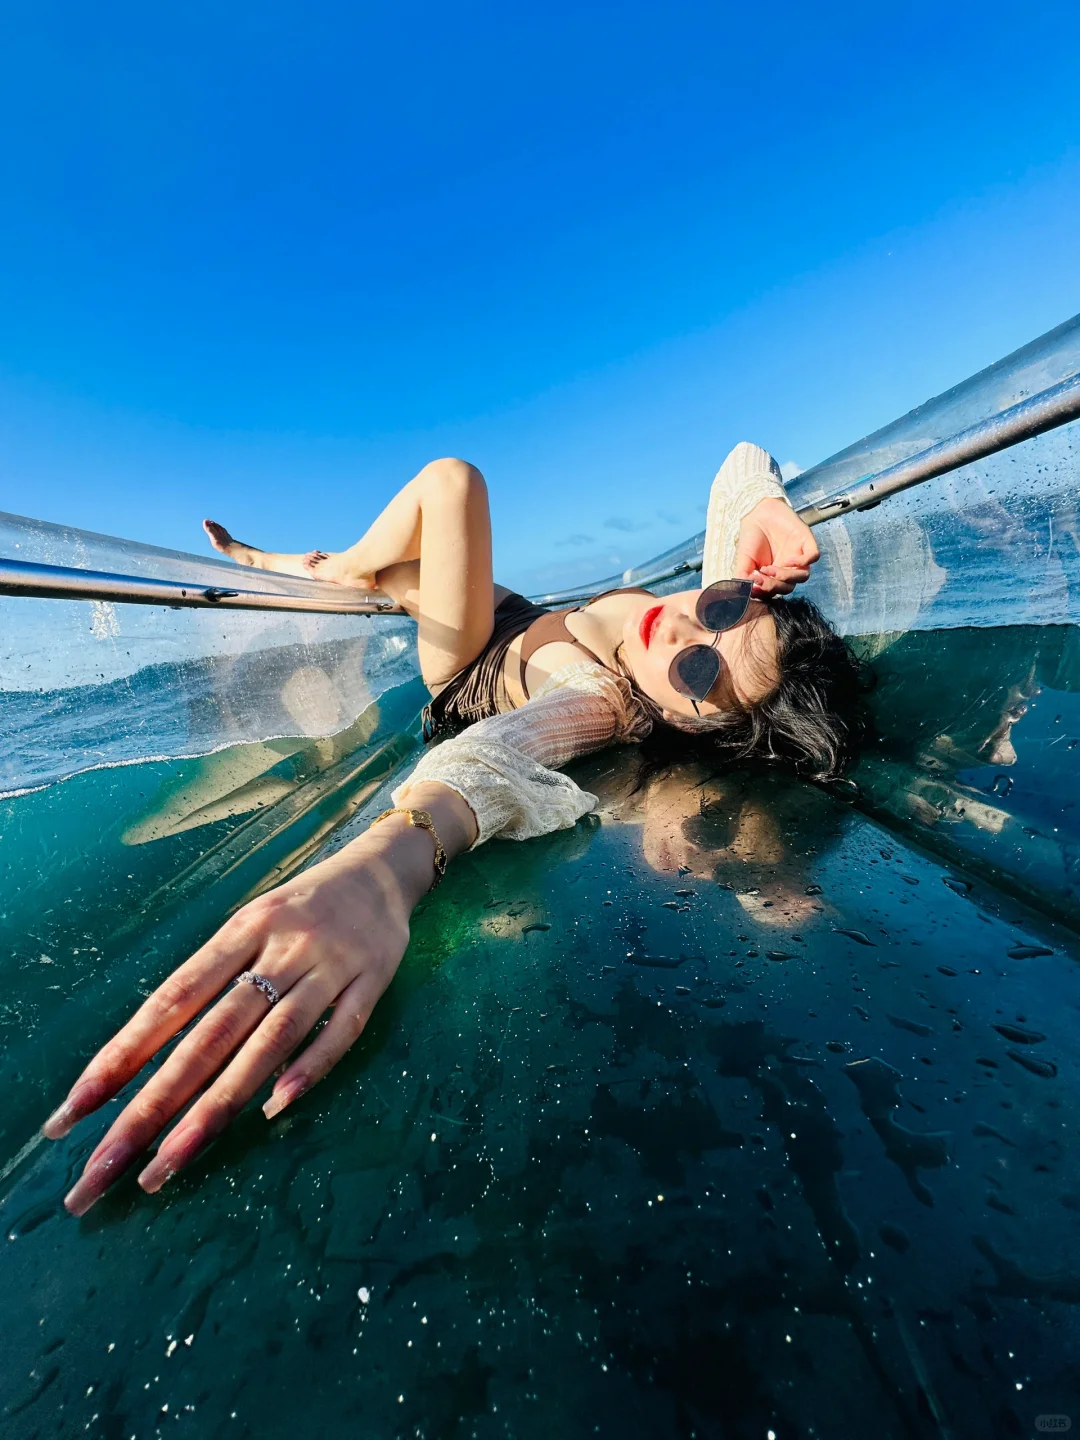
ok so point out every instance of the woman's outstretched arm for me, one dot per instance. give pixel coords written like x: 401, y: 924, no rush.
x: 332, y: 936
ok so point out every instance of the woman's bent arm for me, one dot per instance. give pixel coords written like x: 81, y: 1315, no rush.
x: 502, y: 766
x: 332, y: 936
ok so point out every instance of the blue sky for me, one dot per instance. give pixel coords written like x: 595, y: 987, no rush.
x: 260, y: 261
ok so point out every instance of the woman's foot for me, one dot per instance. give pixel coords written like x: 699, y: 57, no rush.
x: 338, y: 569
x: 252, y: 555
x: 221, y: 540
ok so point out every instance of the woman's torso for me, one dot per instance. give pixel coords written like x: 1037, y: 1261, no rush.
x: 555, y: 639
x: 527, y: 645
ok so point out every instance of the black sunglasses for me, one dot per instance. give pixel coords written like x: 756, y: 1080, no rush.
x: 695, y: 670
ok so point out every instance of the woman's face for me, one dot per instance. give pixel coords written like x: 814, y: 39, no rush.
x: 656, y: 630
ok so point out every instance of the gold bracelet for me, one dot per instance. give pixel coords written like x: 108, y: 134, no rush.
x: 422, y: 821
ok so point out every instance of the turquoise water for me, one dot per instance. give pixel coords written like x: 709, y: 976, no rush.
x: 108, y: 878
x: 730, y: 1110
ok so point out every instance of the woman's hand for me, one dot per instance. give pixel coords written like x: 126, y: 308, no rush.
x: 776, y: 548
x: 333, y: 936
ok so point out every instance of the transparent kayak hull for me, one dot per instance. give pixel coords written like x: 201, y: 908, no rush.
x: 742, y: 1107
x: 726, y: 1114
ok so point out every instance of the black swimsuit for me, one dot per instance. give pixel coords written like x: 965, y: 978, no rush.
x: 479, y: 688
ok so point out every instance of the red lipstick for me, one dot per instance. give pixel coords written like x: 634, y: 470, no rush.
x: 648, y: 624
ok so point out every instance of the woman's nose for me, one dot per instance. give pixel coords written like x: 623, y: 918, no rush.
x: 679, y: 629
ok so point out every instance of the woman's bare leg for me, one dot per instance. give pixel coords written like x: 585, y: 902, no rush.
x: 441, y: 521
x: 251, y: 555
x: 430, y: 550
x: 393, y: 538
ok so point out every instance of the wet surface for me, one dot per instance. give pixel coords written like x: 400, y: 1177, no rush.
x: 720, y: 1116
x: 977, y: 754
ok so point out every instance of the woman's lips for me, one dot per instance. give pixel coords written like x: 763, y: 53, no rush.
x: 648, y: 623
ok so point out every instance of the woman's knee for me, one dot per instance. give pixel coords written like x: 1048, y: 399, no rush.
x: 455, y: 479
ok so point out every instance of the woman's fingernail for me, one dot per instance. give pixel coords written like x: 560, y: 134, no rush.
x: 99, y: 1175
x: 158, y: 1173
x: 179, y: 1150
x: 84, y: 1097
x: 285, y: 1096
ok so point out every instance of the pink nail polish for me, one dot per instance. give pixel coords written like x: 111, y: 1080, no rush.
x: 179, y: 1149
x: 84, y: 1097
x: 283, y: 1097
x: 99, y: 1174
x: 158, y: 1173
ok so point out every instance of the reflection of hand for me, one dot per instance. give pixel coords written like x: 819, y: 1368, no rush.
x: 776, y: 548
x: 333, y: 936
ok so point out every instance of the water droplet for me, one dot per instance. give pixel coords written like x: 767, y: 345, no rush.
x: 1046, y: 1068
x: 1018, y: 1036
x: 915, y: 1026
x: 895, y: 1237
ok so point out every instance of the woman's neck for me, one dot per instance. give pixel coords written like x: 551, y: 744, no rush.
x: 605, y: 620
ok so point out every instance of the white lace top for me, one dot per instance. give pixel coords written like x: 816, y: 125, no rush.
x: 506, y: 767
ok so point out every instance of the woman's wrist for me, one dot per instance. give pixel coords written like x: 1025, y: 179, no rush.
x: 452, y: 817
x: 407, y: 850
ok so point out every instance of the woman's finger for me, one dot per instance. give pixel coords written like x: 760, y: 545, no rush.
x: 352, y: 1010
x: 187, y: 990
x: 199, y: 1056
x: 787, y: 574
x: 268, y: 1048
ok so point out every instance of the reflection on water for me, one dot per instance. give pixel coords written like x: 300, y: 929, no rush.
x: 717, y: 1116
x: 978, y: 753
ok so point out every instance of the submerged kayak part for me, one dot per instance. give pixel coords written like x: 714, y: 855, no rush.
x: 711, y: 1193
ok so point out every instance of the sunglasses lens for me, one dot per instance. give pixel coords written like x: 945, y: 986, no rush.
x: 694, y: 671
x: 723, y: 605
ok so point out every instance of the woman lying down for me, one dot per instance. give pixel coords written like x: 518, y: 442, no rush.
x: 517, y: 692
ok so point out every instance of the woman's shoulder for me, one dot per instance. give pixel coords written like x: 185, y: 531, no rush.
x: 581, y: 677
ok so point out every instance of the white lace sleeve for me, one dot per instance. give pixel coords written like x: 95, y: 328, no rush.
x: 748, y: 476
x: 502, y: 766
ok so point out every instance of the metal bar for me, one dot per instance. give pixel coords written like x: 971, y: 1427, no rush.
x: 61, y: 582
x: 1045, y: 411
x: 1039, y: 413
x: 651, y: 577
x: 1031, y: 417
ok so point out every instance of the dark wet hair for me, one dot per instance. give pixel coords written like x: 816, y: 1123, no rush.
x: 811, y: 722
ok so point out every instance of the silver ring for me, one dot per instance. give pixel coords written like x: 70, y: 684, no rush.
x: 248, y: 977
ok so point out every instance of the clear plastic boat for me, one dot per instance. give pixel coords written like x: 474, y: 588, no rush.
x: 740, y: 1110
